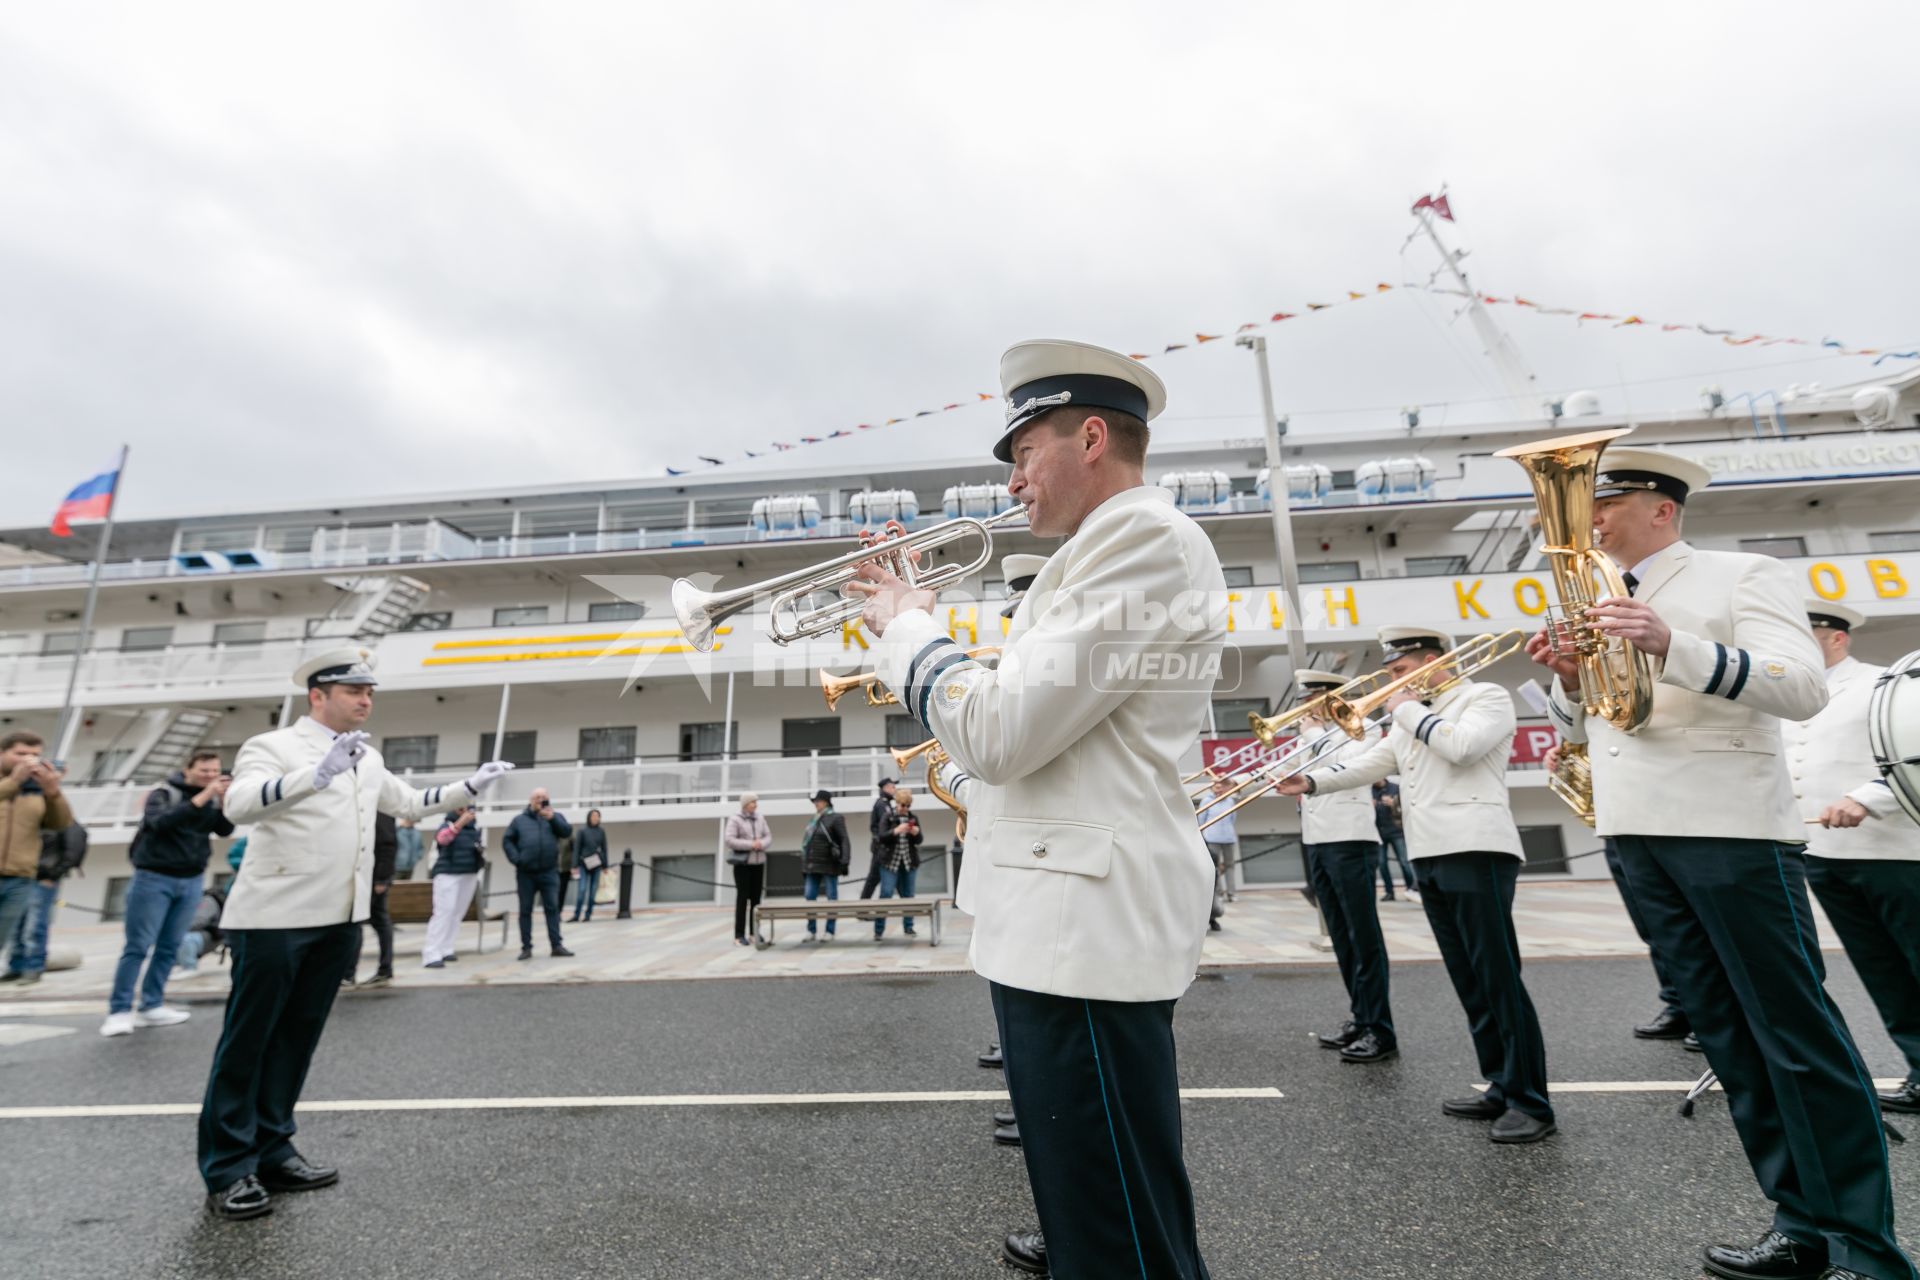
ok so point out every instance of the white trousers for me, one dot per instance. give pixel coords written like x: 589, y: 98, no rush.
x: 452, y: 895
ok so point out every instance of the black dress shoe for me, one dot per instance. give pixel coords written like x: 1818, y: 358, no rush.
x: 1025, y: 1251
x: 1477, y: 1107
x: 559, y: 952
x: 1340, y: 1039
x: 1670, y: 1025
x: 526, y: 953
x: 1007, y: 1135
x: 1001, y: 1119
x: 1369, y: 1049
x: 992, y: 1057
x: 1691, y: 1043
x: 297, y: 1175
x: 1905, y: 1099
x: 1772, y: 1257
x: 1213, y: 925
x: 240, y: 1200
x: 1516, y: 1127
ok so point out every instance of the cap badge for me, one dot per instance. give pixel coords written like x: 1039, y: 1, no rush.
x: 1037, y: 402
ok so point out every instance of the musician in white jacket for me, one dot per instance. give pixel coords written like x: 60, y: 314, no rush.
x: 1086, y: 874
x: 1699, y: 803
x: 1863, y: 851
x: 1450, y: 750
x: 1341, y: 846
x: 311, y: 791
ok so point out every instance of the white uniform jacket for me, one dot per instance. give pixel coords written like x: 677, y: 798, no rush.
x: 309, y: 857
x: 1086, y: 874
x: 1831, y: 757
x: 1741, y: 659
x: 1452, y: 761
x: 1328, y: 816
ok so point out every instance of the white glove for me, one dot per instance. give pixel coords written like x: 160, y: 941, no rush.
x: 490, y: 772
x: 341, y: 756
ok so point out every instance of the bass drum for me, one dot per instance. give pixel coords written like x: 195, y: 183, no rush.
x: 1893, y: 728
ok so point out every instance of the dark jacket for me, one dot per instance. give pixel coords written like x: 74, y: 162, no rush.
x: 174, y: 838
x: 882, y: 810
x: 386, y: 847
x: 1386, y: 815
x: 532, y: 843
x: 589, y: 847
x: 62, y: 852
x: 827, y: 850
x: 882, y: 846
x: 462, y: 855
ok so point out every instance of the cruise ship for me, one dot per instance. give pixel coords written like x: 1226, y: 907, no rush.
x: 534, y: 624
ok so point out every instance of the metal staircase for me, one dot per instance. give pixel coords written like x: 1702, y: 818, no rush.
x: 369, y: 607
x: 167, y: 751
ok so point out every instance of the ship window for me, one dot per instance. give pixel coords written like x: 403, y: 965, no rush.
x: 427, y: 622
x: 517, y: 748
x: 520, y: 615
x: 615, y: 611
x: 1901, y: 540
x: 1239, y: 575
x: 1779, y: 548
x: 419, y: 752
x: 57, y: 642
x: 905, y: 731
x: 812, y: 733
x: 239, y: 632
x: 1330, y: 571
x: 617, y: 745
x: 145, y: 639
x: 1435, y: 566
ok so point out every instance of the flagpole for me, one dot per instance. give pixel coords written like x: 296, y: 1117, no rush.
x: 69, y: 722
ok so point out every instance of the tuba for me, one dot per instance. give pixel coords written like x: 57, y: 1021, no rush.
x: 1572, y: 780
x: 1616, y: 680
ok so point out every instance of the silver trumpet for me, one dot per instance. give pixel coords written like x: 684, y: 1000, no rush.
x: 700, y: 612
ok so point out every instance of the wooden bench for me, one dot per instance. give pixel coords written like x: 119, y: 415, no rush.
x: 411, y: 902
x: 857, y: 909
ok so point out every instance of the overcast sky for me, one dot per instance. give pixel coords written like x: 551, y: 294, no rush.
x: 394, y: 247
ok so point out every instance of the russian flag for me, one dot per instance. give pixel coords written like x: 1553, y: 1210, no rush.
x: 91, y: 499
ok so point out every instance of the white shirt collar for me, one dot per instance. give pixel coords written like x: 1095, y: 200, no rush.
x: 1641, y: 570
x: 1842, y: 668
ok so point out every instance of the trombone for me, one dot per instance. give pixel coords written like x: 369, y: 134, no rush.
x: 1268, y: 729
x: 835, y: 687
x: 1460, y: 662
x: 1269, y: 774
x: 701, y: 612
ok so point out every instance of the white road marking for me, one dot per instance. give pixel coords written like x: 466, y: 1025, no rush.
x: 588, y: 1100
x: 11, y: 1034
x: 1651, y: 1086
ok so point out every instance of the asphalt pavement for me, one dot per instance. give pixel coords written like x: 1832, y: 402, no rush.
x: 1352, y: 1172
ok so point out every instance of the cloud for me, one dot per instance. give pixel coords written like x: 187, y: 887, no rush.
x: 306, y: 254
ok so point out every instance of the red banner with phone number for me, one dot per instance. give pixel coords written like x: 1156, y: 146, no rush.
x: 1531, y: 742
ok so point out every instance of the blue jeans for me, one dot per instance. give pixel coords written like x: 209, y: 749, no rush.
x: 159, y: 912
x: 29, y: 954
x: 16, y: 903
x: 817, y: 882
x: 894, y: 883
x: 589, y: 884
x: 1391, y: 847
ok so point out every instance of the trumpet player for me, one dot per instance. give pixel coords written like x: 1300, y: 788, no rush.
x: 1451, y: 751
x: 1342, y: 845
x: 1086, y: 877
x: 1863, y: 851
x: 1699, y: 803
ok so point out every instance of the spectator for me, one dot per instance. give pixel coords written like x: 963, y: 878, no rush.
x: 204, y: 934
x: 747, y: 838
x: 1223, y: 844
x: 1393, y: 840
x: 899, y: 856
x: 386, y: 849
x: 61, y: 852
x: 532, y: 845
x: 170, y: 851
x: 825, y: 855
x: 30, y: 803
x: 589, y: 860
x: 456, y: 869
x: 878, y: 818
x: 408, y: 848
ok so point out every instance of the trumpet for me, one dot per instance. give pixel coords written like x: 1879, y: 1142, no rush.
x: 904, y: 756
x: 835, y: 687
x: 936, y: 758
x: 701, y: 612
x: 1462, y: 661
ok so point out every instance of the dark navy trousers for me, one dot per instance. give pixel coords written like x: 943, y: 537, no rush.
x: 1874, y: 905
x: 1098, y: 1103
x: 284, y: 982
x: 1669, y: 996
x: 1468, y: 898
x: 1732, y: 919
x: 1342, y: 872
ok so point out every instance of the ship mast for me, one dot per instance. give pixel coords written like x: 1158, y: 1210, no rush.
x: 1518, y: 379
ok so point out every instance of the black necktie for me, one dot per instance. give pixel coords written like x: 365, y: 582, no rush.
x: 1631, y: 582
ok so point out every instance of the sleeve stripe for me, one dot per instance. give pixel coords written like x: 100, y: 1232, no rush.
x: 279, y: 785
x: 1563, y: 717
x: 1719, y: 668
x: 264, y: 801
x: 933, y: 674
x: 1739, y: 681
x: 1427, y: 727
x: 926, y: 651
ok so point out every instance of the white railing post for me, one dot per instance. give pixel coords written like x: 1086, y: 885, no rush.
x: 813, y: 772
